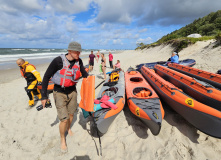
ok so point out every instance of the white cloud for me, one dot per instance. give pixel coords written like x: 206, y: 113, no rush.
x: 147, y: 40
x: 142, y: 30
x: 117, y: 42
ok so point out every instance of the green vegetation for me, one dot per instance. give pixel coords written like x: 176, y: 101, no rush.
x: 209, y: 27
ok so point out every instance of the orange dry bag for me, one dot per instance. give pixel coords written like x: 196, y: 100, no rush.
x: 87, y: 94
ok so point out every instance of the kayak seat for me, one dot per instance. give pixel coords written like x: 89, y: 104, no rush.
x: 132, y: 72
x: 136, y: 79
x: 110, y: 92
x: 142, y: 92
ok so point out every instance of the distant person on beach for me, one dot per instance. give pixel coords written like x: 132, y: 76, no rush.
x: 98, y: 55
x: 91, y: 60
x: 103, y: 63
x: 111, y: 59
x: 117, y: 65
x: 32, y: 76
x: 174, y: 58
x: 65, y: 71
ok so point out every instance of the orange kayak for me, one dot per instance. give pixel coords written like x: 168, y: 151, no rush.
x: 199, y: 90
x: 203, y: 117
x: 50, y: 86
x: 143, y: 101
x: 211, y: 78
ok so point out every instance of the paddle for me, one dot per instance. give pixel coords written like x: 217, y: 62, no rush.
x: 99, y: 84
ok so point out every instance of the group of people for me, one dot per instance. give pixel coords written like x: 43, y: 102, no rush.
x: 64, y: 71
x: 103, y: 61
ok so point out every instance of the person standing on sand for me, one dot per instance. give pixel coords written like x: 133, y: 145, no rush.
x: 28, y: 71
x: 91, y: 60
x: 111, y: 59
x: 103, y: 63
x: 65, y: 71
x: 98, y: 55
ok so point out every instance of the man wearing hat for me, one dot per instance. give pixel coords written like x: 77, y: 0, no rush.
x: 174, y: 57
x: 64, y: 71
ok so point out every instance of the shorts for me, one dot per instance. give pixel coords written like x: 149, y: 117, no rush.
x: 91, y: 63
x: 65, y: 104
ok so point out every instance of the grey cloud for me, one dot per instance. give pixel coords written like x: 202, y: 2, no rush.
x: 19, y: 7
x: 169, y: 12
x: 69, y: 6
x: 119, y: 11
x: 162, y: 12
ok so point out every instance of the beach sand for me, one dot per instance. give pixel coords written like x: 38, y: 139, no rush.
x: 30, y: 134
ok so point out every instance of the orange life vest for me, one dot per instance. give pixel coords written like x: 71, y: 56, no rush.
x: 67, y: 77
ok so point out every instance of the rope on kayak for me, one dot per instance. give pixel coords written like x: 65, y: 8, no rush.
x: 97, y: 134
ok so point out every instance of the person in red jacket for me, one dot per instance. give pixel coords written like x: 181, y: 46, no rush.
x: 111, y: 59
x: 65, y: 72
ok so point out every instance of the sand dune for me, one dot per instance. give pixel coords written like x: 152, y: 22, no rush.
x: 30, y: 134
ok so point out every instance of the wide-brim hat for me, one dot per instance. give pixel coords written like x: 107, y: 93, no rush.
x: 74, y: 46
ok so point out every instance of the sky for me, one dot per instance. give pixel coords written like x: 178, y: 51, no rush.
x: 96, y: 24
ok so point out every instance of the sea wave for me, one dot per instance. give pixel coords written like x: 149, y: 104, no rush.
x: 9, y: 56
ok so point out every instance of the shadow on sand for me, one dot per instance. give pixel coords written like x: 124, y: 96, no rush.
x: 88, y: 124
x: 137, y: 125
x: 56, y: 121
x: 86, y: 157
x: 176, y: 120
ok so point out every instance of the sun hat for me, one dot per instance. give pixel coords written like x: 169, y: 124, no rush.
x: 74, y: 46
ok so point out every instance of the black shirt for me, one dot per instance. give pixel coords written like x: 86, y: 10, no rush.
x: 56, y: 65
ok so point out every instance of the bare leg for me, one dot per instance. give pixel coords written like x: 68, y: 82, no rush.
x: 69, y: 125
x: 104, y: 70
x: 62, y: 129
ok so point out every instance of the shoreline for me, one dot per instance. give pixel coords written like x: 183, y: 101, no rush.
x: 7, y: 65
x: 7, y: 75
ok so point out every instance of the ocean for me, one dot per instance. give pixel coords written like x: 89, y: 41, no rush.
x: 8, y: 56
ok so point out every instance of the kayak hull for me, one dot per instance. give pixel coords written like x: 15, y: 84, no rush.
x: 199, y: 90
x: 185, y: 62
x: 201, y: 116
x: 211, y: 78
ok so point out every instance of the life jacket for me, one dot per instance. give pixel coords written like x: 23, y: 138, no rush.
x: 29, y: 76
x: 67, y: 77
x: 114, y: 77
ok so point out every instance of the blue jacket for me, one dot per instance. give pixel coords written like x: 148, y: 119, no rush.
x: 174, y: 59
